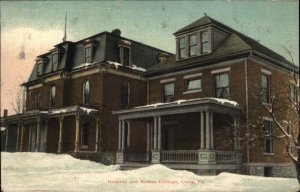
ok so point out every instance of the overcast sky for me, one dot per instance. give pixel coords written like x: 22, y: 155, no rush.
x: 33, y: 27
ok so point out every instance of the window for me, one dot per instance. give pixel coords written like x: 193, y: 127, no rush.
x: 52, y: 96
x: 182, y: 53
x: 125, y: 92
x: 222, y: 86
x: 193, y: 84
x: 126, y: 56
x: 204, y: 42
x: 193, y: 45
x: 36, y: 99
x: 85, y: 135
x: 293, y: 92
x: 265, y: 88
x: 86, y: 92
x: 39, y: 69
x: 268, y: 137
x: 88, y: 54
x: 168, y: 92
x: 54, y: 61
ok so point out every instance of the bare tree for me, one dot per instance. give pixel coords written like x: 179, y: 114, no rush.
x: 18, y: 102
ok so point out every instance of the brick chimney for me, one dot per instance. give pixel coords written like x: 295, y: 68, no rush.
x: 5, y: 112
x: 116, y: 32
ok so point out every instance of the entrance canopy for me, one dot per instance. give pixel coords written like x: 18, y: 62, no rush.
x: 208, y: 104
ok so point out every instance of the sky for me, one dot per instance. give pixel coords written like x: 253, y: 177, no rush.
x: 30, y: 28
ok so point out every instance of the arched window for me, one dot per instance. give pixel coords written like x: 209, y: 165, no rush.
x: 86, y: 92
x: 125, y: 92
x: 52, y: 96
x: 84, y: 141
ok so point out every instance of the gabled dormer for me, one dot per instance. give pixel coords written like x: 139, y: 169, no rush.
x: 199, y: 38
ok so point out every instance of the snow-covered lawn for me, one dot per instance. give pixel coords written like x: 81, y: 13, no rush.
x: 50, y: 172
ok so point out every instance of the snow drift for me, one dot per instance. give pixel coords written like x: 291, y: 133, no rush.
x: 50, y: 172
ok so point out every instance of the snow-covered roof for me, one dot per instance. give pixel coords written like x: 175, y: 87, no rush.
x: 133, y: 67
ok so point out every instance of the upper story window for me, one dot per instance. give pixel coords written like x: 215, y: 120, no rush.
x: 168, y: 92
x: 293, y: 92
x: 39, y: 69
x: 88, y: 54
x: 54, y: 61
x: 125, y: 92
x: 265, y: 88
x: 126, y: 56
x: 52, y: 96
x: 204, y: 42
x: 193, y: 84
x: 86, y: 92
x: 193, y: 44
x: 268, y: 136
x: 222, y: 86
x: 182, y: 51
x: 36, y: 99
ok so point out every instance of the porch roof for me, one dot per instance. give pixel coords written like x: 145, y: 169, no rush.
x: 209, y: 104
x: 53, y: 112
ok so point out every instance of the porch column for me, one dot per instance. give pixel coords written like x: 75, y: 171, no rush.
x: 22, y: 138
x: 61, y: 125
x: 235, y: 127
x: 211, y: 130
x: 207, y: 131
x: 97, y: 134
x: 120, y: 135
x: 123, y: 136
x: 77, y: 126
x: 18, y: 137
x: 148, y: 137
x: 202, y: 130
x: 38, y: 133
x: 6, y: 138
x: 159, y: 132
x: 46, y: 134
x: 155, y: 133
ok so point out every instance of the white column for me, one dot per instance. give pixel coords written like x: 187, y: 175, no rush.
x: 211, y: 131
x: 77, y: 129
x: 6, y: 138
x: 155, y: 133
x: 235, y: 133
x: 22, y: 138
x: 207, y: 130
x: 238, y: 133
x: 148, y: 137
x: 46, y: 134
x: 123, y: 135
x: 120, y: 135
x: 97, y: 134
x: 38, y: 135
x: 159, y: 133
x: 128, y: 134
x: 202, y: 130
x: 61, y: 124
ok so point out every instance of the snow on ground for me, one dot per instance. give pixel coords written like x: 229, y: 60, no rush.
x: 50, y: 172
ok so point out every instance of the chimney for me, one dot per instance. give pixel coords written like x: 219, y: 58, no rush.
x: 5, y: 112
x: 162, y: 57
x: 116, y: 32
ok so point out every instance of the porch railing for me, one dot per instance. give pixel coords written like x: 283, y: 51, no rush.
x: 181, y: 156
x: 137, y: 157
x: 227, y: 157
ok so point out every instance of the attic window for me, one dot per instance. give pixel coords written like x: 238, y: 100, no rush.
x: 125, y: 53
x: 88, y: 54
x: 204, y: 42
x: 39, y: 69
x: 54, y: 61
x: 193, y: 45
x: 182, y: 51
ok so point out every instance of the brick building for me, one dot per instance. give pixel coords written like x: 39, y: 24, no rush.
x: 111, y: 99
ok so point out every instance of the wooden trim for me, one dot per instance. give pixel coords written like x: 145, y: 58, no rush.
x: 220, y: 70
x: 35, y: 86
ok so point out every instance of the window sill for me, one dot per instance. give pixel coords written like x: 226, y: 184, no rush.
x: 192, y: 91
x: 268, y: 154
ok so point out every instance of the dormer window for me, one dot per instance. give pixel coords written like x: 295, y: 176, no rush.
x: 125, y: 52
x: 204, y: 42
x: 193, y: 45
x: 182, y: 51
x: 88, y: 54
x: 40, y: 63
x: 39, y: 69
x: 54, y: 61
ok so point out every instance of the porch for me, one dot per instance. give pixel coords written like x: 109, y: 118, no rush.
x: 179, y: 134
